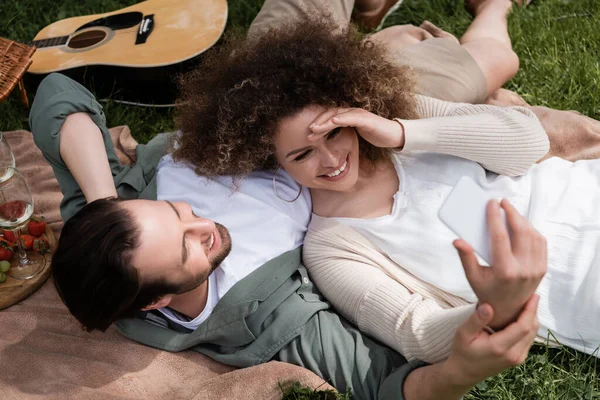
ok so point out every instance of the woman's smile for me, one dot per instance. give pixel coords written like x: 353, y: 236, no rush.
x: 339, y: 173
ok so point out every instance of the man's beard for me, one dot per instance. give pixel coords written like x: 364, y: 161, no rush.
x: 214, y: 263
x: 225, y: 247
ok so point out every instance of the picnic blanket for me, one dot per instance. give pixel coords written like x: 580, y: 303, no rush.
x: 44, y: 353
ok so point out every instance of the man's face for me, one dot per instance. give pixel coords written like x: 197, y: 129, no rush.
x: 175, y: 245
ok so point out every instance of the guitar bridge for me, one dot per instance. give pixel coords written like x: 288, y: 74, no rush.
x: 145, y: 29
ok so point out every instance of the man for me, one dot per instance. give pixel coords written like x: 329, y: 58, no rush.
x: 117, y: 257
x: 259, y: 304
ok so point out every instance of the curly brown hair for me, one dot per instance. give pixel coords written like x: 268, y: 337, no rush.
x: 230, y: 107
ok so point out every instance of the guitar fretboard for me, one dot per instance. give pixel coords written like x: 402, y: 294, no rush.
x: 55, y: 41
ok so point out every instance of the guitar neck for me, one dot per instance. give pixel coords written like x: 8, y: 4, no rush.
x: 49, y: 42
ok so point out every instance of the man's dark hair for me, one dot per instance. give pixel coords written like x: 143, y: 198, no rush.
x: 92, y: 267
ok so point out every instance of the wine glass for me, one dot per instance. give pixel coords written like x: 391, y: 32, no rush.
x: 16, y: 208
x: 7, y: 159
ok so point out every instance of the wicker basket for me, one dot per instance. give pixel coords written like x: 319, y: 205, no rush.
x: 15, y: 58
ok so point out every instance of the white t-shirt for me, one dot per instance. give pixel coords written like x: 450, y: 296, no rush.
x: 558, y: 197
x: 261, y: 225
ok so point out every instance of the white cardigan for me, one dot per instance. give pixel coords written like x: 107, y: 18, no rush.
x: 383, y: 300
x: 379, y: 296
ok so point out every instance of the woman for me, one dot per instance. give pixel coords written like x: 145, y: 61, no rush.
x: 342, y: 119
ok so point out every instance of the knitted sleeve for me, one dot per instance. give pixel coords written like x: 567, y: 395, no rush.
x: 505, y: 140
x: 348, y: 271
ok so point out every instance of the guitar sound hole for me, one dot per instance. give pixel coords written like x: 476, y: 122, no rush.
x: 86, y: 39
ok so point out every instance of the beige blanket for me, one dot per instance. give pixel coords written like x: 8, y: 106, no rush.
x: 44, y: 353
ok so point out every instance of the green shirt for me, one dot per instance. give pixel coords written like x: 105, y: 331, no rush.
x: 274, y: 313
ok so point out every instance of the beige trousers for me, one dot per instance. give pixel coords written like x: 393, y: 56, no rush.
x: 443, y: 69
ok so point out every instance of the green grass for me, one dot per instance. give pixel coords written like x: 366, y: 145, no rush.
x: 558, y: 42
x: 295, y: 391
x: 21, y: 20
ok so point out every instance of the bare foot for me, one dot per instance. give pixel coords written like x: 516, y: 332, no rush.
x: 398, y: 37
x: 438, y: 32
x: 505, y: 98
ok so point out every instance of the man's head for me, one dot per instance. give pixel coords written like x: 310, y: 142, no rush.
x: 115, y: 258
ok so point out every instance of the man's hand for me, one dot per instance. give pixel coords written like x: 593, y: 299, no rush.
x: 573, y: 136
x: 378, y: 131
x: 477, y: 355
x: 518, y: 264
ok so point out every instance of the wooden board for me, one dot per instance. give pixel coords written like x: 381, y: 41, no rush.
x: 14, y: 290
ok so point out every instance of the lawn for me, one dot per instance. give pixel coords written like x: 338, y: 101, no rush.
x: 558, y: 42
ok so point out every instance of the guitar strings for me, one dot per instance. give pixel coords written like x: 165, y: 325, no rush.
x: 139, y: 104
x: 76, y: 40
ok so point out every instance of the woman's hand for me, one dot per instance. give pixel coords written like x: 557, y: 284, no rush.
x: 374, y: 129
x: 519, y: 262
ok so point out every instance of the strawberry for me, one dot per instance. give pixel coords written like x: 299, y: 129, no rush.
x: 36, y: 226
x: 6, y: 250
x: 6, y: 243
x: 9, y: 235
x: 5, y: 254
x: 27, y: 241
x: 41, y: 246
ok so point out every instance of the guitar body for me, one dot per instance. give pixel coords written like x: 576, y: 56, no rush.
x: 144, y: 44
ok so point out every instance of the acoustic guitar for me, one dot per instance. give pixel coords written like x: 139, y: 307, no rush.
x: 135, y: 50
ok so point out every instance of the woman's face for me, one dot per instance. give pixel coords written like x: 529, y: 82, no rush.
x: 330, y: 162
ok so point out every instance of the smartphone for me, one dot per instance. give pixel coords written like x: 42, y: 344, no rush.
x: 464, y: 212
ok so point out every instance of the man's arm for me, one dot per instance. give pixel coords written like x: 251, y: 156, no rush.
x: 476, y: 355
x: 69, y: 128
x: 82, y: 150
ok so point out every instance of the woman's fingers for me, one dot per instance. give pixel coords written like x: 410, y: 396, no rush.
x: 345, y: 119
x: 527, y: 243
x: 377, y: 130
x: 468, y: 260
x: 521, y: 230
x: 324, y: 117
x: 462, y: 245
x: 322, y: 130
x: 323, y: 123
x: 501, y: 246
x: 354, y: 117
